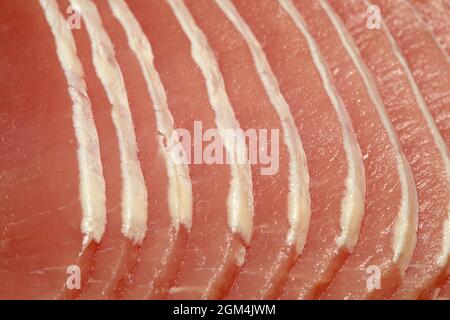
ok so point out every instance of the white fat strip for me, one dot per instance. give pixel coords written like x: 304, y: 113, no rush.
x: 92, y: 183
x: 180, y: 187
x: 299, y: 201
x: 443, y: 257
x: 134, y: 190
x: 240, y: 197
x: 404, y: 239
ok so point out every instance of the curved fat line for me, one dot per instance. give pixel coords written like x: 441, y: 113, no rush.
x: 92, y: 183
x: 240, y: 197
x: 352, y: 205
x: 180, y: 187
x: 442, y: 259
x: 134, y: 191
x: 299, y: 202
x: 406, y: 224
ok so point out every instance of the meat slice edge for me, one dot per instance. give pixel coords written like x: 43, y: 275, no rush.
x: 47, y: 220
x: 383, y: 159
x: 325, y: 136
x: 281, y: 220
x: 436, y: 14
x: 419, y: 137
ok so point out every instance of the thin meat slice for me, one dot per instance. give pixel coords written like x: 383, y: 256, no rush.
x: 170, y: 205
x: 168, y: 184
x: 423, y: 147
x: 114, y: 247
x: 431, y: 72
x: 51, y: 184
x: 222, y: 216
x: 428, y: 64
x: 125, y: 186
x: 281, y: 218
x: 436, y: 14
x: 390, y: 190
x: 333, y: 156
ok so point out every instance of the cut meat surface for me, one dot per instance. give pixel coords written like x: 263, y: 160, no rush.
x: 240, y: 196
x: 428, y: 64
x: 169, y: 186
x: 273, y: 248
x: 328, y: 140
x: 43, y: 200
x: 426, y: 60
x: 421, y: 142
x: 386, y: 169
x: 436, y: 14
x: 214, y: 253
x: 126, y: 191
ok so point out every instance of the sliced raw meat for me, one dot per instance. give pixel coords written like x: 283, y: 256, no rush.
x: 390, y: 190
x: 170, y: 204
x: 51, y: 185
x: 168, y: 184
x: 334, y: 160
x: 94, y: 203
x: 428, y: 64
x: 216, y: 242
x: 125, y: 187
x: 436, y: 14
x: 423, y: 147
x: 283, y: 217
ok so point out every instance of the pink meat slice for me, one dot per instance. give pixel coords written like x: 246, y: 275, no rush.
x: 436, y: 14
x: 319, y: 127
x: 213, y: 252
x: 269, y: 256
x: 423, y: 147
x: 380, y: 148
x: 428, y: 63
x: 160, y: 253
x: 40, y: 212
x: 115, y: 253
x: 431, y: 70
